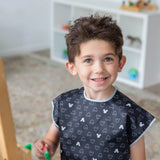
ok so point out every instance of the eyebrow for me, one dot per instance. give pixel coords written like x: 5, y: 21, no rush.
x: 90, y: 55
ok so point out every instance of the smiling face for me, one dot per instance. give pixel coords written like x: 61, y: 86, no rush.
x: 97, y: 66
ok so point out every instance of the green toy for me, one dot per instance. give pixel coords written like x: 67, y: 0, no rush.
x: 47, y: 156
x: 46, y: 153
x: 65, y: 54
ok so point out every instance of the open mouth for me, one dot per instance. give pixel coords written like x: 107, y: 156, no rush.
x: 99, y: 79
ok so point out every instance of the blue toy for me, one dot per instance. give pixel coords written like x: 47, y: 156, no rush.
x: 133, y: 73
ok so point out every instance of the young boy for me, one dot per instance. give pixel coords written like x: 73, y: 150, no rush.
x: 97, y: 121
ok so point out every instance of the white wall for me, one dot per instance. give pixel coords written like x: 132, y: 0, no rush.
x: 24, y: 26
x: 157, y: 2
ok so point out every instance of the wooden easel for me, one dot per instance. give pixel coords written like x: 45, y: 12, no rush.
x: 9, y: 150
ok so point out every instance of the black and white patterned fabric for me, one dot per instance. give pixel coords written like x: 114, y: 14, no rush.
x: 98, y: 130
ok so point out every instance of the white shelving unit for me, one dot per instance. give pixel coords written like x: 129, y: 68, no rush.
x: 142, y: 54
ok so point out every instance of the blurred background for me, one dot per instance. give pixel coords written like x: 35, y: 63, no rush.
x: 29, y: 39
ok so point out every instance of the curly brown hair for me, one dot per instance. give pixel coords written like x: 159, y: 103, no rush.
x: 93, y: 27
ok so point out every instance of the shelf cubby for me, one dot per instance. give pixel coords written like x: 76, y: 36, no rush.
x: 141, y: 39
x: 63, y: 17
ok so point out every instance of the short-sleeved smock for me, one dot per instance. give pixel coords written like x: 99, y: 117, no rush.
x: 98, y: 129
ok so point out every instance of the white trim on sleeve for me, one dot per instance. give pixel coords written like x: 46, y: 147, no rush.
x: 53, y: 116
x: 143, y: 133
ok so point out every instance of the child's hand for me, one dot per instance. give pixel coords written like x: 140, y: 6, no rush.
x: 39, y: 149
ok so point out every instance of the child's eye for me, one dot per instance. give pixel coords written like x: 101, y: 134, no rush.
x: 88, y: 61
x: 108, y: 59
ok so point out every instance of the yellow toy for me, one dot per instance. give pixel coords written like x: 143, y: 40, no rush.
x: 136, y: 6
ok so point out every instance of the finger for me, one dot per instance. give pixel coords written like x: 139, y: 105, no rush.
x: 38, y: 150
x: 39, y: 145
x: 40, y: 155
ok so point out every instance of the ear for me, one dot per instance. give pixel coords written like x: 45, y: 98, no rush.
x: 122, y: 63
x: 71, y: 68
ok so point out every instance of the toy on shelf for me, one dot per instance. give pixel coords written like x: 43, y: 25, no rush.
x: 66, y: 26
x: 65, y: 56
x: 134, y: 41
x: 137, y: 5
x: 133, y: 73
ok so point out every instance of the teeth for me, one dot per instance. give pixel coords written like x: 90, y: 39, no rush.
x: 99, y: 79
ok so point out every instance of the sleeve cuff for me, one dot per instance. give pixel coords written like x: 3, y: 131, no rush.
x: 143, y: 132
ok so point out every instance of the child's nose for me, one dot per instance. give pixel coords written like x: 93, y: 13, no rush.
x: 99, y: 67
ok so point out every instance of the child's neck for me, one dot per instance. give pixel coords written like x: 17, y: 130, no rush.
x: 101, y: 95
